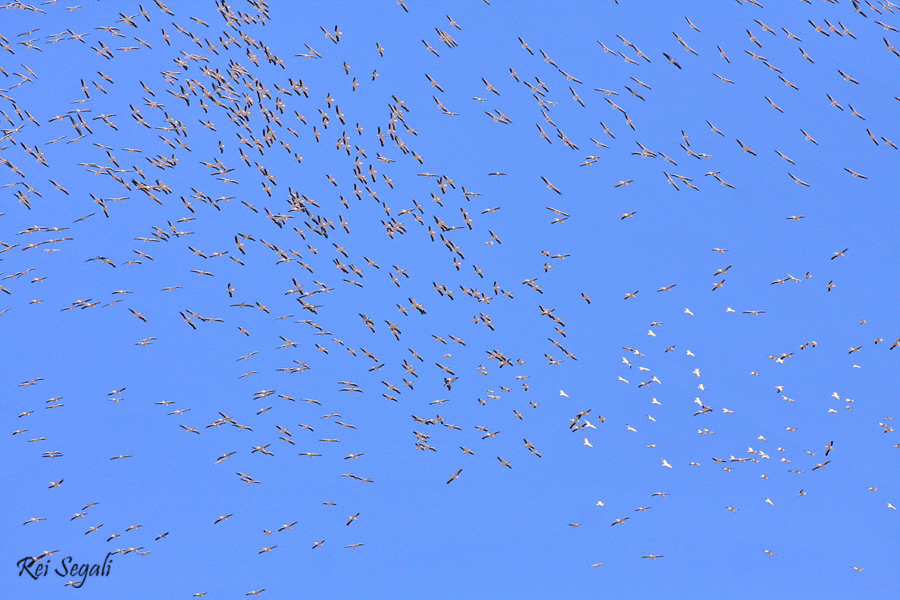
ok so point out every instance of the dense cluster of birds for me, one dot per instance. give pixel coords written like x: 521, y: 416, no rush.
x: 209, y: 164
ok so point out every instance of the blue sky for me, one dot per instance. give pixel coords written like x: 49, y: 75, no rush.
x: 129, y: 333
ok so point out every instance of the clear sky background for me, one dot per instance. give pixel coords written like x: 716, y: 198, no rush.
x: 188, y: 144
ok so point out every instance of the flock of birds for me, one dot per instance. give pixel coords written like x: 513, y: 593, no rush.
x: 218, y: 146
